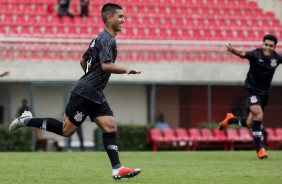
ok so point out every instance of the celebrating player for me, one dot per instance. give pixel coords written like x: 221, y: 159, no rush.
x: 263, y: 63
x: 87, y: 97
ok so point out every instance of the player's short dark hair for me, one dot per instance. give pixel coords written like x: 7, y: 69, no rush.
x: 270, y: 37
x: 109, y: 8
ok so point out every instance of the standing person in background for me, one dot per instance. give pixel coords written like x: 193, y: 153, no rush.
x: 63, y: 8
x: 4, y: 74
x: 263, y: 63
x: 87, y: 97
x: 23, y: 108
x: 84, y: 8
x: 161, y: 124
x: 80, y: 137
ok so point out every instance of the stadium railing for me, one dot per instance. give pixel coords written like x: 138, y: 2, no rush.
x: 71, y: 50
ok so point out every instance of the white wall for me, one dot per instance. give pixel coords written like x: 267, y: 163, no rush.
x: 128, y: 102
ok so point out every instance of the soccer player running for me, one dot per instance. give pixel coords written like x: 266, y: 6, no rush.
x: 87, y: 97
x: 263, y: 63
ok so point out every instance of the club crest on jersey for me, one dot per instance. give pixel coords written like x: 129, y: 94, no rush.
x: 78, y: 116
x: 273, y: 62
x: 253, y: 99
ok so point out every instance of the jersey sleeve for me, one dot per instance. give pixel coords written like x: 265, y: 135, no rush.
x: 250, y: 54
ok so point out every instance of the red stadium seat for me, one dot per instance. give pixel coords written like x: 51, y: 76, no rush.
x: 169, y: 135
x: 155, y: 137
x: 246, y: 135
x: 195, y: 134
x: 207, y: 135
x: 278, y: 132
x: 182, y: 134
x: 220, y: 135
x: 233, y: 137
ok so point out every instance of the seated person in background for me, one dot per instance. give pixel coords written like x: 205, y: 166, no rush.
x: 161, y: 124
x: 63, y: 8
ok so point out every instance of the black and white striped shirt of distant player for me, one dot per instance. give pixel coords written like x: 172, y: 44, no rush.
x: 87, y: 98
x: 263, y: 63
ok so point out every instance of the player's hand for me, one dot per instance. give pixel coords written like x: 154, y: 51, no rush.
x: 6, y: 73
x: 229, y: 47
x: 131, y: 71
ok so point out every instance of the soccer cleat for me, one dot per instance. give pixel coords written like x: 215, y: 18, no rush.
x: 224, y: 123
x: 262, y: 154
x: 125, y: 172
x: 19, y: 122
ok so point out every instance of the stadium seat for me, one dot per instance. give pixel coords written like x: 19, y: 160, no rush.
x: 195, y: 136
x: 245, y: 135
x: 278, y: 132
x: 271, y: 134
x: 207, y: 135
x: 166, y: 20
x: 182, y: 136
x: 221, y: 137
x: 272, y: 138
x: 169, y: 135
x: 155, y: 137
x: 233, y: 137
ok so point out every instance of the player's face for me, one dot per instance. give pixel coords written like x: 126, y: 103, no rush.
x: 118, y: 20
x: 268, y: 47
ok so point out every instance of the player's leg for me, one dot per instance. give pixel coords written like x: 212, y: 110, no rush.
x: 250, y: 121
x: 257, y: 115
x: 265, y: 136
x: 103, y: 116
x: 65, y: 128
x: 231, y: 119
x: 108, y: 125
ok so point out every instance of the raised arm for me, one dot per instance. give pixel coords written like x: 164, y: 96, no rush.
x: 4, y: 74
x: 236, y: 52
x: 113, y: 68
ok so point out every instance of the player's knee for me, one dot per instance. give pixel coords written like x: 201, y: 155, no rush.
x: 259, y: 117
x: 110, y: 128
x: 67, y: 133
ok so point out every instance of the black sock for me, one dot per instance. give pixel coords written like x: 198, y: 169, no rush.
x: 47, y: 124
x: 257, y: 134
x: 265, y: 135
x: 112, y: 149
x: 238, y: 121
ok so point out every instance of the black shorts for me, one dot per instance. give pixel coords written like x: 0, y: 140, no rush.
x: 253, y: 99
x: 78, y: 108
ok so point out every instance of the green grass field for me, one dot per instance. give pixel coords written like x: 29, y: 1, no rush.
x: 209, y: 167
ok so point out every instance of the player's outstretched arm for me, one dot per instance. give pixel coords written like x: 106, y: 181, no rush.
x: 236, y: 52
x: 4, y: 74
x: 113, y: 68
